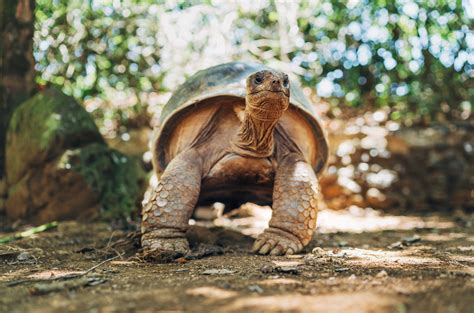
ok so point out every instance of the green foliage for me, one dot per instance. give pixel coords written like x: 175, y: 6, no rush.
x: 416, y: 57
x: 28, y: 233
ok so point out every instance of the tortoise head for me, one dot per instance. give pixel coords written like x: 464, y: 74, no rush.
x: 268, y: 94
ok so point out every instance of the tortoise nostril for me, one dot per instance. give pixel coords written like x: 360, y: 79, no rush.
x: 275, y: 81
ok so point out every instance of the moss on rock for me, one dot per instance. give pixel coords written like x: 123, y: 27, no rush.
x: 59, y: 166
x: 112, y: 175
x: 42, y: 128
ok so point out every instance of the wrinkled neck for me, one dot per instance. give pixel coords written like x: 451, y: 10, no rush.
x: 255, y: 136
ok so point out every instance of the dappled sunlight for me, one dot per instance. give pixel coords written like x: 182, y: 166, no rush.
x: 6, y: 276
x: 210, y: 293
x: 467, y: 260
x: 339, y: 302
x: 372, y: 221
x: 383, y: 258
x: 123, y: 263
x: 280, y: 282
x: 252, y: 219
x: 447, y: 237
x: 53, y: 274
x: 117, y: 55
x: 110, y: 102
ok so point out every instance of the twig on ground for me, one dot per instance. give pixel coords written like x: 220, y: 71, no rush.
x: 70, y: 276
x: 100, y: 264
x: 110, y: 240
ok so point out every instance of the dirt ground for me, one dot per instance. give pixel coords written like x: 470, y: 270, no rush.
x: 359, y: 261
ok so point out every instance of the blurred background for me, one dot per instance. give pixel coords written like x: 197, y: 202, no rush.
x: 82, y: 86
x: 413, y: 57
x: 392, y: 80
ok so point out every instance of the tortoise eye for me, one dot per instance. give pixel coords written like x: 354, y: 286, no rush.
x: 285, y: 82
x: 258, y: 79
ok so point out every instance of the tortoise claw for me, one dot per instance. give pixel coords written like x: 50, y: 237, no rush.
x: 275, y: 243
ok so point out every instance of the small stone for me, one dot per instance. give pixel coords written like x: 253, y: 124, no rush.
x: 288, y: 269
x: 412, y: 239
x: 318, y: 251
x: 396, y: 245
x: 341, y: 269
x: 255, y: 288
x: 181, y: 270
x: 382, y: 274
x: 267, y: 269
x: 181, y: 260
x: 157, y: 212
x: 25, y: 257
x: 218, y: 272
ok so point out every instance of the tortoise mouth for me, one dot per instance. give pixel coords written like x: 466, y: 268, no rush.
x: 267, y: 90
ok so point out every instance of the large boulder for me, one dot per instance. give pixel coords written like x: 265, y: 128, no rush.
x: 59, y: 167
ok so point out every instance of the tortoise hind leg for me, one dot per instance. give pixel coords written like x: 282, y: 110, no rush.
x: 167, y: 211
x: 295, y: 199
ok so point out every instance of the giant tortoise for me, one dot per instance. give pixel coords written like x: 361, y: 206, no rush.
x: 234, y: 133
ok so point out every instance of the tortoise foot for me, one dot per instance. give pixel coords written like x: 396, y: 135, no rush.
x: 165, y: 249
x: 275, y: 241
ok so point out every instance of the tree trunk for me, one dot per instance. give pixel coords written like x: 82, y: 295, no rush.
x: 17, y: 81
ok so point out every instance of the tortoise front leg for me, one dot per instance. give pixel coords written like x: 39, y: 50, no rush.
x: 167, y: 211
x: 295, y: 200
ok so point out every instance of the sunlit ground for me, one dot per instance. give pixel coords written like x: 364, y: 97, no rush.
x: 361, y: 260
x: 353, y: 220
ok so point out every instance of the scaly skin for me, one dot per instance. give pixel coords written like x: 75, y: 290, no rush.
x: 295, y: 200
x: 296, y: 190
x: 167, y: 212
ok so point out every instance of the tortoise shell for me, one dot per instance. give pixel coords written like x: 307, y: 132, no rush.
x: 229, y: 80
